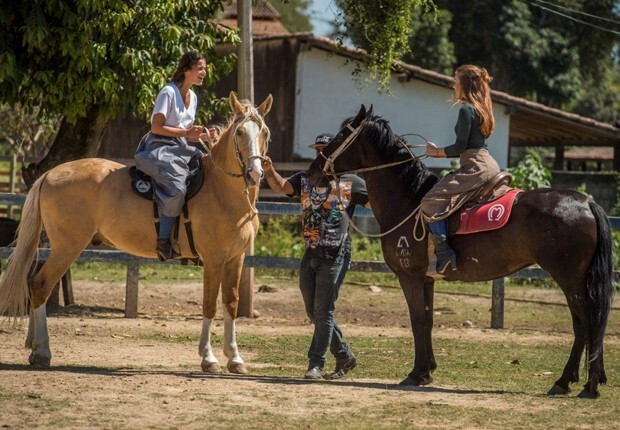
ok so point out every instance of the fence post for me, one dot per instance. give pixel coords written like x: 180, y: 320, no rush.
x: 245, y: 308
x: 497, y: 304
x: 131, y: 290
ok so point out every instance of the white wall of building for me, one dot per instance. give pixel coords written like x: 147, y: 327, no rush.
x: 327, y: 94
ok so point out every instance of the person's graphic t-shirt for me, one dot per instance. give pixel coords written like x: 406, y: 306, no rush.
x: 325, y: 227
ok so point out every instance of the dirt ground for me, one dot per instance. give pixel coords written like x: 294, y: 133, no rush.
x: 112, y: 372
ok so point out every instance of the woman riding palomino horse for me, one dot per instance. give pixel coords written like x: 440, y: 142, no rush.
x: 474, y: 125
x: 563, y: 231
x: 91, y: 200
x: 164, y: 154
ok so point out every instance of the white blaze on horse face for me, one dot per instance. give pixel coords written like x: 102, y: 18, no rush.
x: 254, y: 166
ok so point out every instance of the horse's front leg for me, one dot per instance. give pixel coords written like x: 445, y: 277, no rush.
x: 429, y: 294
x: 211, y: 288
x: 414, y: 289
x: 230, y: 302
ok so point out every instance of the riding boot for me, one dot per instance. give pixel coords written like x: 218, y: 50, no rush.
x: 445, y: 254
x: 165, y: 251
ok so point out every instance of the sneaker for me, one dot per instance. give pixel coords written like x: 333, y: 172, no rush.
x: 342, y: 368
x: 314, y: 373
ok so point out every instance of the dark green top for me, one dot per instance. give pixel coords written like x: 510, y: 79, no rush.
x: 468, y: 134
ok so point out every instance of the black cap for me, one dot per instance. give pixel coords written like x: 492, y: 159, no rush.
x: 322, y: 140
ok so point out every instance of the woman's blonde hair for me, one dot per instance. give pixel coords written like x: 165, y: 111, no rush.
x: 475, y: 90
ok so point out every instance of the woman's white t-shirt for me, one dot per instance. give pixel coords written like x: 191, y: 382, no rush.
x: 170, y: 103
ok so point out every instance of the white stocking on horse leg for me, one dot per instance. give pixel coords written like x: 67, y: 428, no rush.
x: 235, y: 362
x: 40, y: 343
x: 209, y: 362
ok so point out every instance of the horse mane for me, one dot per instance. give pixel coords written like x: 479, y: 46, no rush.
x: 414, y: 174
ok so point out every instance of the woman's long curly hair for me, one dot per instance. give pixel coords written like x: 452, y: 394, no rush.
x: 187, y: 62
x: 474, y: 81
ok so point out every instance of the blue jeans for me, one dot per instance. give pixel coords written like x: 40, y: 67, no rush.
x: 319, y: 282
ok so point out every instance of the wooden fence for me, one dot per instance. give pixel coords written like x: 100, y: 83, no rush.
x: 253, y: 261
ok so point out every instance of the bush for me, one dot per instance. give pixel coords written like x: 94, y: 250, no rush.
x: 530, y: 173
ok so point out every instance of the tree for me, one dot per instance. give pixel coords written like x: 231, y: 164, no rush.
x: 536, y: 53
x: 529, y: 48
x: 383, y: 28
x: 294, y: 14
x: 88, y: 61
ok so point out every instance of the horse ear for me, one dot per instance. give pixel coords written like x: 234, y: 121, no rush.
x: 369, y: 113
x: 235, y: 105
x: 265, y: 106
x: 361, y: 115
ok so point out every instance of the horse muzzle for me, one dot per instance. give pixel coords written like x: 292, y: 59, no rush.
x: 253, y: 175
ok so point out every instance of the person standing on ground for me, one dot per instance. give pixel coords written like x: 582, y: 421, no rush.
x: 326, y: 258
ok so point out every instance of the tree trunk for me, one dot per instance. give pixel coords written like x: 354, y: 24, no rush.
x: 73, y: 141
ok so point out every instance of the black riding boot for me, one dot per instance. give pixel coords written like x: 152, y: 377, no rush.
x: 445, y: 254
x: 165, y: 251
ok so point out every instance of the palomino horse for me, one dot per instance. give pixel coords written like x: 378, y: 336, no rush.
x: 91, y: 200
x: 565, y: 233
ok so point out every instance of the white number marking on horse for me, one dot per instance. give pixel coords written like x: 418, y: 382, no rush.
x: 404, y: 262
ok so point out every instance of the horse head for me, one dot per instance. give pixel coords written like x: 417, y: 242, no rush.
x: 251, y: 137
x: 329, y: 163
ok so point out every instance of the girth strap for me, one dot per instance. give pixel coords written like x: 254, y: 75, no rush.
x: 188, y: 230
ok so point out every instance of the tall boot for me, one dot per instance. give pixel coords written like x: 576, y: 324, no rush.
x: 445, y: 254
x: 165, y: 250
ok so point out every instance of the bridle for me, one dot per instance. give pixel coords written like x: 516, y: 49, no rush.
x: 238, y: 121
x: 329, y: 172
x: 328, y: 166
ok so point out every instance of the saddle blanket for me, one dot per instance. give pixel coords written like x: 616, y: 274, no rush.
x: 487, y: 216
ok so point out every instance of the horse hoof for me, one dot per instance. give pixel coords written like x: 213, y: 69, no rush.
x: 238, y: 368
x: 211, y: 368
x: 40, y: 361
x: 417, y: 381
x: 556, y: 390
x: 585, y: 394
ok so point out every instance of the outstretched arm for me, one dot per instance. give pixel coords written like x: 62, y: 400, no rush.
x: 275, y: 181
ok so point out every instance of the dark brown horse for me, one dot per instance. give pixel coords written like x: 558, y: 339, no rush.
x: 564, y: 232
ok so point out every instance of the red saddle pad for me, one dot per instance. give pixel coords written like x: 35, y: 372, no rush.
x: 487, y: 216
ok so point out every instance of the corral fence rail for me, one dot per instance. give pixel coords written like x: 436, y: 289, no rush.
x: 254, y: 261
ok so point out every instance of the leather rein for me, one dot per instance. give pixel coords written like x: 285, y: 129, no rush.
x: 328, y: 171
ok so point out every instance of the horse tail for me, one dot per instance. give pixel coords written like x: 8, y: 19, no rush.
x: 600, y: 284
x: 14, y: 291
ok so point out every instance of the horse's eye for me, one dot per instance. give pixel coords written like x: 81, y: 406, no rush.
x: 239, y: 131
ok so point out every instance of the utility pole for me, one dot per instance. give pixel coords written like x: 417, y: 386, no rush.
x: 245, y: 88
x: 245, y: 53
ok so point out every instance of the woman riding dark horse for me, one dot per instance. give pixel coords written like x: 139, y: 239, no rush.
x: 475, y: 124
x: 563, y: 231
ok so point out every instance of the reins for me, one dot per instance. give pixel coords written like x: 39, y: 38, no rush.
x: 329, y: 171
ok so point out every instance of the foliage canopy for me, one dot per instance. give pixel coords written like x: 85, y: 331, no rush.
x: 70, y: 56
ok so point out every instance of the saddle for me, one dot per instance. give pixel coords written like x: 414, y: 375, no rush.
x: 142, y: 184
x: 490, y: 210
